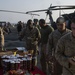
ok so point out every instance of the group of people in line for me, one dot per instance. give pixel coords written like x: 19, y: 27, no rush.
x: 57, y: 47
x: 52, y: 49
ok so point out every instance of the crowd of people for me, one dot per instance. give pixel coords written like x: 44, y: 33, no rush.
x: 57, y: 49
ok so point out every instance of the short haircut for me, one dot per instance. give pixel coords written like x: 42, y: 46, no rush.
x: 60, y: 20
x: 42, y: 21
x: 29, y: 22
x: 35, y: 20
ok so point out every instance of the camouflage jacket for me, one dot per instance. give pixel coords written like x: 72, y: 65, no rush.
x: 65, y: 49
x: 53, y: 39
x: 1, y: 38
x: 30, y: 36
x: 38, y: 26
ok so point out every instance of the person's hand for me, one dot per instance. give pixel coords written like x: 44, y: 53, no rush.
x: 71, y: 61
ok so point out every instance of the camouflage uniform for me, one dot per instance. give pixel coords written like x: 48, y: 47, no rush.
x: 37, y: 26
x: 45, y: 31
x: 51, y: 46
x: 19, y: 26
x: 1, y: 39
x: 31, y: 38
x: 66, y: 48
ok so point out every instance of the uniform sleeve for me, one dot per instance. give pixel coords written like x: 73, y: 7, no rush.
x: 39, y: 34
x: 59, y: 54
x: 50, y: 44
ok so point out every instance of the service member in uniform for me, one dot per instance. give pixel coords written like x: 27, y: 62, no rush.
x: 36, y: 24
x: 65, y: 51
x: 45, y: 31
x: 1, y: 39
x: 31, y: 36
x: 19, y: 27
x: 54, y: 67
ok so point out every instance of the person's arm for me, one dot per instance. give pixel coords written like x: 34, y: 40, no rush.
x: 50, y: 44
x: 59, y: 53
x: 50, y: 47
x: 38, y: 36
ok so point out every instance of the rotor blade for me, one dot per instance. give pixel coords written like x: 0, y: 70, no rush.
x: 18, y: 12
x: 63, y: 8
x: 42, y: 10
x: 54, y: 8
x: 35, y: 14
x: 12, y: 11
x: 37, y: 11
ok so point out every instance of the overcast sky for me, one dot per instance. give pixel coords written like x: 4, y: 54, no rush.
x: 28, y: 5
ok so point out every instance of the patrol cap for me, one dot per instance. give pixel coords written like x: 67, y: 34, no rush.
x: 60, y: 20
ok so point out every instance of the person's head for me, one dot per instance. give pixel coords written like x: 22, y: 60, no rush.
x: 61, y: 23
x: 73, y: 26
x: 30, y: 23
x: 35, y: 21
x: 19, y: 22
x: 42, y: 22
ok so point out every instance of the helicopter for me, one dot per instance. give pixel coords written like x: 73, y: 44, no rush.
x: 54, y: 8
x: 48, y: 11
